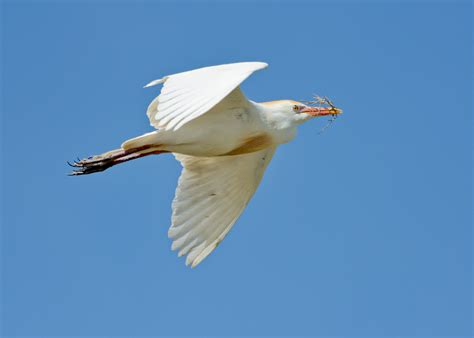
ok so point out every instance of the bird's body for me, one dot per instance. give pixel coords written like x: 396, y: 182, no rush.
x: 224, y: 142
x: 226, y: 129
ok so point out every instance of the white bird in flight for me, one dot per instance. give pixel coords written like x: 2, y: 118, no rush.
x: 224, y: 142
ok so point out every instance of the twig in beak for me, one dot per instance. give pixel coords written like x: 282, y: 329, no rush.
x: 318, y: 100
x: 330, y: 121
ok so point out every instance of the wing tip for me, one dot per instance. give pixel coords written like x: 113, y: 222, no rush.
x: 262, y: 65
x: 155, y: 82
x: 204, y: 253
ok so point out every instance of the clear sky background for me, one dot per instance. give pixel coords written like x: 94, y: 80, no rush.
x: 364, y: 230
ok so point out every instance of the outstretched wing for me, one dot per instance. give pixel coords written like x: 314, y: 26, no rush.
x: 186, y: 96
x: 212, y: 192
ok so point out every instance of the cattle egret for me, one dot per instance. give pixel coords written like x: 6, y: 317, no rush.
x: 224, y: 143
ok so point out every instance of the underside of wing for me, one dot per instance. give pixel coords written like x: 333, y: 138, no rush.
x: 212, y: 192
x: 186, y: 96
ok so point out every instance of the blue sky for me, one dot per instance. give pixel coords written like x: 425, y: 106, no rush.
x: 364, y: 230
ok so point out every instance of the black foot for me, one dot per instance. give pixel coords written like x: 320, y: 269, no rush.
x: 98, y: 163
x: 84, y: 167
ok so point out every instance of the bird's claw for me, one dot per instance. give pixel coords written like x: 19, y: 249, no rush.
x: 89, y: 168
x: 90, y: 165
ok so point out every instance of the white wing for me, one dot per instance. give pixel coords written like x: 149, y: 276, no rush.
x: 212, y: 192
x: 186, y: 96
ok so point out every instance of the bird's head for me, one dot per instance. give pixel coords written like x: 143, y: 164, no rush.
x: 299, y: 112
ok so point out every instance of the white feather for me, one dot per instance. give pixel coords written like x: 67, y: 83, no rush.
x: 186, y: 96
x: 211, y: 194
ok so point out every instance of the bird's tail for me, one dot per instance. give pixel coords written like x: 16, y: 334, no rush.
x: 132, y: 149
x: 141, y: 141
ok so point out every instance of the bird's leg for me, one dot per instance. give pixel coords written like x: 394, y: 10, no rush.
x: 110, y: 155
x: 104, y: 161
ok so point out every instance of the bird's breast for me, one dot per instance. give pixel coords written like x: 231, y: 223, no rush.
x: 252, y: 144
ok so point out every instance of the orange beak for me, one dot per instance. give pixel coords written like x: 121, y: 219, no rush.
x: 321, y: 111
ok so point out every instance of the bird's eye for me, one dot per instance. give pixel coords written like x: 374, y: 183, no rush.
x: 296, y: 108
